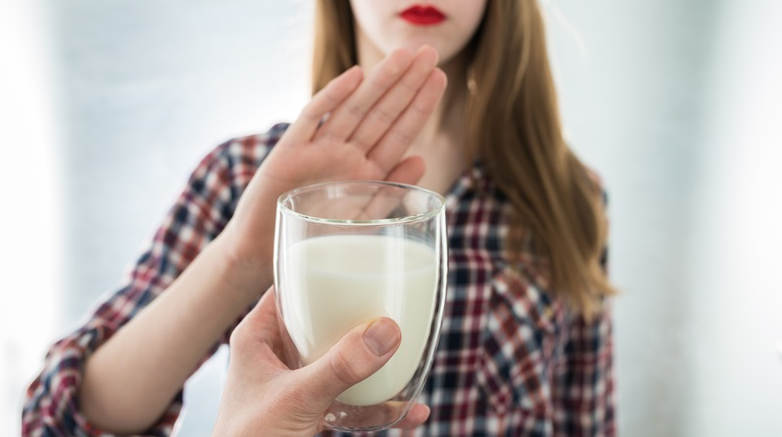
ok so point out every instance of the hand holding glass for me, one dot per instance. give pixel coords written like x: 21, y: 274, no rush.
x: 349, y: 252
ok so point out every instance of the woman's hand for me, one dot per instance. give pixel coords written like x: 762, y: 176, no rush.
x: 264, y: 397
x: 369, y: 125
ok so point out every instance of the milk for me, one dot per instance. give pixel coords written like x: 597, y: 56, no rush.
x: 331, y: 284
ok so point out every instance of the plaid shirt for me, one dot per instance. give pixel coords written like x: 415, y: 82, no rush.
x: 512, y: 360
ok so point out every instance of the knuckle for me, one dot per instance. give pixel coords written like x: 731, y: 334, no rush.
x: 309, y: 114
x: 342, y: 368
x: 329, y: 139
x: 396, y: 66
x: 292, y: 398
x: 355, y: 110
x: 295, y: 396
x: 422, y: 108
x: 398, y: 61
x: 383, y: 81
x: 384, y: 116
x: 236, y: 336
x: 403, y: 138
x: 410, y: 86
x: 328, y: 94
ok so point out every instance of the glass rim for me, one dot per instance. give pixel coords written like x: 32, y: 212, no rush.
x: 371, y: 222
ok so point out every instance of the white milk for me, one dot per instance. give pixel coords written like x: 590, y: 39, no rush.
x: 332, y: 284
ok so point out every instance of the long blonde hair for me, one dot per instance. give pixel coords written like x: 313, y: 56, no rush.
x: 515, y: 122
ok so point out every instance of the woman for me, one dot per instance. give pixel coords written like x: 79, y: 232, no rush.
x: 526, y: 343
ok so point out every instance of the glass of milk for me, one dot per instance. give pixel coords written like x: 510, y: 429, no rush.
x: 346, y: 253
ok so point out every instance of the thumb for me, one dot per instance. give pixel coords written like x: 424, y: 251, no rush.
x: 359, y: 354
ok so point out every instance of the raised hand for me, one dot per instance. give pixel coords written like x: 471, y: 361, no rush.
x: 369, y: 125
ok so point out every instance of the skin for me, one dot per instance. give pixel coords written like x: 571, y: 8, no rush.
x: 385, y: 122
x: 380, y: 29
x: 264, y: 397
x: 124, y: 391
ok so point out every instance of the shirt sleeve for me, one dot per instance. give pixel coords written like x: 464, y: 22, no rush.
x: 199, y: 214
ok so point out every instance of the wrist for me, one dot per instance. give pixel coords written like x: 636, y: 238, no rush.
x: 249, y: 275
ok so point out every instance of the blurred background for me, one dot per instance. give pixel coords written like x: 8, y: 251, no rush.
x: 105, y: 108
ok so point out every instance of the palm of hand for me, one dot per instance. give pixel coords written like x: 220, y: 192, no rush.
x: 370, y: 124
x: 294, y: 165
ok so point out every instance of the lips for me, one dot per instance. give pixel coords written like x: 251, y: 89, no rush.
x: 423, y: 15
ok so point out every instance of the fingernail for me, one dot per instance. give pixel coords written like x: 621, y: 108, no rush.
x: 381, y: 336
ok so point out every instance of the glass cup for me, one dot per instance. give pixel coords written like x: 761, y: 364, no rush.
x: 349, y: 252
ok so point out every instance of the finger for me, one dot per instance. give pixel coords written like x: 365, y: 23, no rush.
x: 260, y: 324
x: 323, y: 102
x: 417, y: 415
x: 256, y: 340
x: 385, y: 112
x: 408, y: 171
x: 384, y: 202
x: 359, y: 354
x: 402, y: 134
x: 344, y: 119
x: 388, y: 199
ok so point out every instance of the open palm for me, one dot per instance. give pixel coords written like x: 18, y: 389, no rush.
x: 369, y: 125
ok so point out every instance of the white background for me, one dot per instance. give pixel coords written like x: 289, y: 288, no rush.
x: 105, y: 107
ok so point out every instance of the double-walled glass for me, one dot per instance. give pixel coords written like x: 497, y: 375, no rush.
x: 349, y: 252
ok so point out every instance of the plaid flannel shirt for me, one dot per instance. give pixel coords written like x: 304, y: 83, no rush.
x: 512, y: 360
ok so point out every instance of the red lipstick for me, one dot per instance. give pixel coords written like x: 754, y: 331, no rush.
x: 423, y: 15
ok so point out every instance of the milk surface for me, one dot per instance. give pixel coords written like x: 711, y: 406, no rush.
x: 331, y: 284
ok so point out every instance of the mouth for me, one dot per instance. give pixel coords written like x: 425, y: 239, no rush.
x: 423, y: 15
